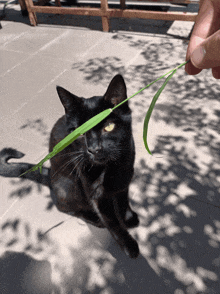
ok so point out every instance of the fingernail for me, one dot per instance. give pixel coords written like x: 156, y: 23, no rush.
x: 197, y: 56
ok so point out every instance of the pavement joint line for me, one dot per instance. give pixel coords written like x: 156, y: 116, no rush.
x: 13, y: 39
x: 58, y: 58
x: 132, y: 60
x: 54, y: 41
x: 30, y: 54
x: 40, y: 91
x: 93, y: 46
x: 16, y: 65
x: 51, y: 81
x: 9, y: 209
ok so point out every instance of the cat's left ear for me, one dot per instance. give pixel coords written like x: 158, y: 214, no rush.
x: 116, y: 91
x: 70, y: 101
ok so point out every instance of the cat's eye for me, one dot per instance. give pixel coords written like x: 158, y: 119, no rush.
x: 110, y: 127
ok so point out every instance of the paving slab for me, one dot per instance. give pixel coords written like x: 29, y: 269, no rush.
x: 175, y: 192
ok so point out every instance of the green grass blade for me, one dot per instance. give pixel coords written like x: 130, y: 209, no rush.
x: 72, y: 137
x: 149, y: 112
x: 179, y: 66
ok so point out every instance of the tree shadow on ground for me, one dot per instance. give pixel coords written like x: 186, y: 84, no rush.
x: 85, y: 267
x: 175, y: 193
x: 182, y: 227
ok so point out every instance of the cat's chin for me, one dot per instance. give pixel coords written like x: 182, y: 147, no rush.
x: 97, y: 160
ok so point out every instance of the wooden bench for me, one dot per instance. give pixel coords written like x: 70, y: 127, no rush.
x: 107, y: 13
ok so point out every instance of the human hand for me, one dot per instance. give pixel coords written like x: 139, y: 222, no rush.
x: 204, y: 46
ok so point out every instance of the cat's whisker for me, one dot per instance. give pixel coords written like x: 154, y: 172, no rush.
x: 91, y: 167
x: 121, y: 149
x: 79, y: 161
x: 66, y: 164
x: 69, y: 153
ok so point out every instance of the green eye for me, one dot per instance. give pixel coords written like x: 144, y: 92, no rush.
x: 110, y: 127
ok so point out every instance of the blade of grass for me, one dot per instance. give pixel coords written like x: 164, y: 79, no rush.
x: 150, y: 109
x: 179, y: 66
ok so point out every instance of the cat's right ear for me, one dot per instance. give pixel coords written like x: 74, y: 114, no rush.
x: 70, y: 101
x: 116, y: 91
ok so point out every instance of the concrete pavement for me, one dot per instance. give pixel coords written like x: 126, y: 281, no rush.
x: 175, y: 191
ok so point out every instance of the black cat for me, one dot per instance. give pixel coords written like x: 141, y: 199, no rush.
x: 90, y: 178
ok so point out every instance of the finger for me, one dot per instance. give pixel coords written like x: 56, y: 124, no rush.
x: 216, y: 72
x: 189, y: 67
x: 206, y: 55
x: 207, y: 23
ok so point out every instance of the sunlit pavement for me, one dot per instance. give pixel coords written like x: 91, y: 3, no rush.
x: 175, y: 191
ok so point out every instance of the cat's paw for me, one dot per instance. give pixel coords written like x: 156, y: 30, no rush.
x: 132, y: 249
x: 131, y: 219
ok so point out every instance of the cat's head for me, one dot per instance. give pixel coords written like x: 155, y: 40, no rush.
x: 111, y: 139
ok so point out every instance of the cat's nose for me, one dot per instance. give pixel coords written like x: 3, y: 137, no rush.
x: 94, y: 149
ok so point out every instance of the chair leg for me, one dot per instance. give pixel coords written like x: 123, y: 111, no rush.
x: 32, y: 15
x: 105, y: 19
x: 22, y: 4
x: 105, y: 23
x: 122, y: 4
x: 58, y: 3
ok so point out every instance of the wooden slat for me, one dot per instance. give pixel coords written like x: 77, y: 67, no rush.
x: 125, y: 13
x: 168, y: 1
x: 64, y: 10
x: 130, y: 13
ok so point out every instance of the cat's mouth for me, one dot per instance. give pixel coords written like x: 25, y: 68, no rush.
x: 97, y: 159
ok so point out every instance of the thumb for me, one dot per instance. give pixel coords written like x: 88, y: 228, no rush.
x: 206, y: 55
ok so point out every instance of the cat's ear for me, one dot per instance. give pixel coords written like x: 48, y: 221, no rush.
x: 70, y: 101
x: 116, y: 91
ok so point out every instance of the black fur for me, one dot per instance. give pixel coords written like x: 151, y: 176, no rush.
x: 90, y: 178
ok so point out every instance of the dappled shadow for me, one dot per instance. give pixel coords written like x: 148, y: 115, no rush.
x: 80, y: 268
x: 175, y: 192
x: 21, y: 187
x: 38, y: 126
x: 19, y: 232
x: 97, y: 69
x: 157, y: 55
x: 179, y: 188
x: 183, y: 223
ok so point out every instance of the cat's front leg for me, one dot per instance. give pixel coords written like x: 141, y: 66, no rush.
x: 68, y: 198
x: 105, y: 206
x: 107, y: 213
